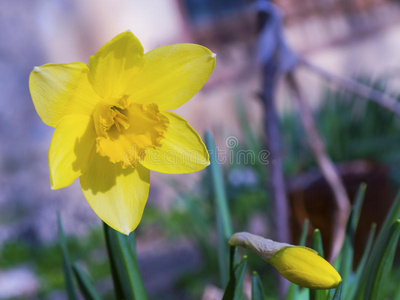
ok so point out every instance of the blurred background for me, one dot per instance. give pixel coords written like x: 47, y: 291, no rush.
x: 176, y: 240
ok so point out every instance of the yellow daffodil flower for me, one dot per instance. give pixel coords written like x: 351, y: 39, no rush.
x: 300, y: 265
x: 112, y: 122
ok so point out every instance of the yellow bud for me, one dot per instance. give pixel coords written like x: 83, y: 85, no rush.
x: 305, y: 268
x: 300, y: 265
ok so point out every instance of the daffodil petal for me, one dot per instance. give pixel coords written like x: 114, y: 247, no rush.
x: 114, y: 66
x: 71, y: 149
x: 118, y: 196
x: 171, y: 75
x: 58, y: 90
x: 182, y: 150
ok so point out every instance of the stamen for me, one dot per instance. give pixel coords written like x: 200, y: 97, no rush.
x: 118, y: 127
x: 137, y: 128
x: 121, y: 119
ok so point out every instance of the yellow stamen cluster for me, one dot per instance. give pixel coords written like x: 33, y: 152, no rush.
x: 137, y: 128
x: 120, y: 119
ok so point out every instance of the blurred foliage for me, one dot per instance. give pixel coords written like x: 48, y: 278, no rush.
x: 353, y: 129
x: 46, y: 260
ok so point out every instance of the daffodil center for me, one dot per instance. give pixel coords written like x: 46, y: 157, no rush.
x: 126, y: 130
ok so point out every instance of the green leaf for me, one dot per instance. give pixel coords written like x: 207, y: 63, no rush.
x: 346, y: 254
x: 304, y: 232
x: 293, y: 290
x: 118, y: 272
x: 318, y: 294
x: 347, y: 251
x: 127, y: 248
x: 69, y: 281
x: 397, y: 293
x: 392, y: 216
x: 218, y: 186
x: 316, y: 243
x: 257, y: 292
x: 232, y: 259
x: 337, y: 295
x: 128, y: 283
x: 317, y: 246
x: 223, y: 220
x: 87, y: 289
x: 376, y: 285
x: 222, y: 251
x: 362, y: 264
x: 356, y: 211
x: 234, y: 289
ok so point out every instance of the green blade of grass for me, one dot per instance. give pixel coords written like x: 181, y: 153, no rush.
x: 234, y: 289
x: 337, y: 295
x: 317, y: 246
x: 232, y: 259
x: 85, y: 285
x: 69, y: 281
x: 218, y: 186
x: 346, y: 263
x: 222, y: 251
x: 257, y: 292
x: 224, y: 226
x: 293, y: 290
x: 356, y: 211
x: 119, y: 275
x: 347, y: 251
x: 392, y: 216
x: 397, y: 294
x: 362, y: 264
x: 304, y: 232
x: 129, y: 255
x: 376, y: 285
x: 131, y: 241
x: 316, y: 243
x: 125, y: 271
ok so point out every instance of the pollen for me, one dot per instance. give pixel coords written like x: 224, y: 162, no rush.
x: 214, y: 55
x: 36, y: 69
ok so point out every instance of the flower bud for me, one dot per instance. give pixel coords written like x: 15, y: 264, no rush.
x: 300, y: 265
